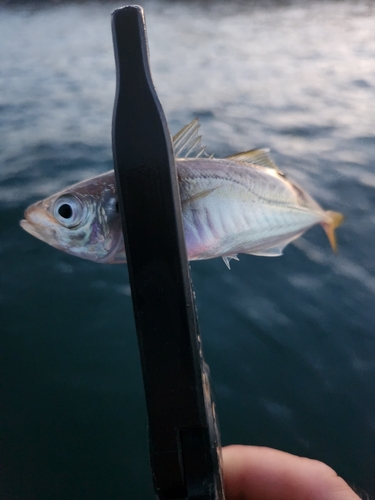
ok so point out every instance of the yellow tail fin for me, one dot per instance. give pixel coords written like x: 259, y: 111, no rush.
x: 334, y: 220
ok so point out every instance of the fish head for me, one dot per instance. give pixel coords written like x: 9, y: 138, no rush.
x: 82, y: 220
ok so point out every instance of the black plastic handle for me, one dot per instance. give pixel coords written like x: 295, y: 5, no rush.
x: 183, y: 437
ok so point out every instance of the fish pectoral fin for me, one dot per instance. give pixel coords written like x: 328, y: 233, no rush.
x: 228, y: 258
x: 269, y: 252
x: 335, y: 220
x: 198, y: 196
x: 187, y: 142
x: 255, y: 157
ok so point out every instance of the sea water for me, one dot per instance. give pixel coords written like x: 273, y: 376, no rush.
x: 290, y: 341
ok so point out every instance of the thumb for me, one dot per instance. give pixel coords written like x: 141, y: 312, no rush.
x: 257, y: 473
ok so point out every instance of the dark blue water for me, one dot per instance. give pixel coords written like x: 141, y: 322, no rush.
x: 290, y: 341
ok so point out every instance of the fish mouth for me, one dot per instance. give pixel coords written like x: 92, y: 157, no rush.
x: 29, y: 228
x: 37, y: 223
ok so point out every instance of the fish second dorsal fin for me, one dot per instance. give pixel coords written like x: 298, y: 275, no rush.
x: 187, y: 142
x: 255, y: 156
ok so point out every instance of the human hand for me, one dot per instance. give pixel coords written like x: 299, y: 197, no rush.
x: 257, y: 473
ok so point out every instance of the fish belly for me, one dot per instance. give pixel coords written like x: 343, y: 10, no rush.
x: 220, y: 227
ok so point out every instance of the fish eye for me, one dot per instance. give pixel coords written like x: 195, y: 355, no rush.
x: 65, y: 210
x: 69, y: 211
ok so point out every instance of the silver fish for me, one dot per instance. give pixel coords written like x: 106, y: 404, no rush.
x: 238, y: 204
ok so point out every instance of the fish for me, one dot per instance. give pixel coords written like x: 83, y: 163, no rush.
x: 241, y: 204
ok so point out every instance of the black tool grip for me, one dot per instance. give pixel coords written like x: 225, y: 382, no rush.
x: 183, y: 439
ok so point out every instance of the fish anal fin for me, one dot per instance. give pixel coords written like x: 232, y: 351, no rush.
x: 269, y: 252
x: 228, y: 258
x: 255, y: 156
x: 334, y: 220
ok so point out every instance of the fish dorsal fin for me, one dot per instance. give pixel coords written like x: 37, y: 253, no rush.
x: 255, y: 156
x: 187, y: 142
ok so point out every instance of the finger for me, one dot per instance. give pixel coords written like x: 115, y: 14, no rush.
x: 257, y: 473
